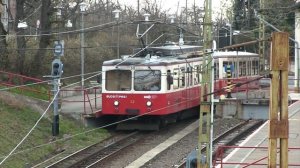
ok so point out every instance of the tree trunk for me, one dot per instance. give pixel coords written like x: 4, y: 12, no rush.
x: 3, y: 45
x: 21, y: 43
x: 44, y: 39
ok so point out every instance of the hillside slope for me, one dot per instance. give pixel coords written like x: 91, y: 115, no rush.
x: 17, y: 118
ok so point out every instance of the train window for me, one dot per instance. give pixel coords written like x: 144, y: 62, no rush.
x: 182, y: 77
x: 176, y: 78
x: 254, y: 70
x: 242, y: 68
x: 189, y: 76
x: 197, y: 76
x: 147, y: 80
x: 216, y: 70
x: 248, y: 68
x: 118, y: 80
x: 169, y: 79
x: 234, y: 70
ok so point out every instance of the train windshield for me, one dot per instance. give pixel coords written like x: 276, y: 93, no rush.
x: 147, y: 80
x: 118, y: 80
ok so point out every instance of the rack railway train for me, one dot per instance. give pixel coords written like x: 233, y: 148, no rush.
x: 162, y: 84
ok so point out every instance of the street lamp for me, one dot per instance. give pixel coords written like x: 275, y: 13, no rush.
x: 22, y: 25
x: 146, y: 15
x: 83, y: 7
x: 117, y: 17
x: 172, y: 19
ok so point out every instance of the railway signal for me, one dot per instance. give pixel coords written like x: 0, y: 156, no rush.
x: 57, y: 68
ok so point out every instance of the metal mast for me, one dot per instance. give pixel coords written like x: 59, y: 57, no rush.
x: 204, y: 160
x: 261, y: 42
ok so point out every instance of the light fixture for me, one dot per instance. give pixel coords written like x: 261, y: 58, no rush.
x: 22, y: 25
x: 117, y: 13
x: 172, y: 17
x: 146, y: 15
x: 116, y: 103
x: 69, y: 24
x: 83, y: 6
x: 149, y: 103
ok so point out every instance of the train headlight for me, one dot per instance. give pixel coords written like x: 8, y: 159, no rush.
x: 149, y: 103
x: 116, y: 103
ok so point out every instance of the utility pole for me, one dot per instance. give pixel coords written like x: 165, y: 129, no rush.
x: 262, y: 42
x: 205, y: 121
x: 279, y: 124
x: 83, y: 7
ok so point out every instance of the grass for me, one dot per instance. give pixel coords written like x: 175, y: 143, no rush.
x: 15, y: 122
x: 34, y: 91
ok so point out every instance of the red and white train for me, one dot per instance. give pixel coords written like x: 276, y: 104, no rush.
x: 162, y: 84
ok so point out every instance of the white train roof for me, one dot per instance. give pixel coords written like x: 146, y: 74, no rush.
x: 156, y: 60
x: 226, y: 54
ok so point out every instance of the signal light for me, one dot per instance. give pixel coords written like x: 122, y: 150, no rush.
x: 57, y: 68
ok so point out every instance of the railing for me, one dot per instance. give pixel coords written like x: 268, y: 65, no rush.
x: 78, y: 95
x: 258, y: 161
x: 8, y: 79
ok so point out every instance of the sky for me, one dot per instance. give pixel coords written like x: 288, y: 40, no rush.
x: 172, y: 4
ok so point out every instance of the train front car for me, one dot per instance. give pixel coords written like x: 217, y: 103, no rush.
x: 154, y: 89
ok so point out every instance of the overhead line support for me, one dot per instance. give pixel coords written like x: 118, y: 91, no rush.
x: 205, y: 122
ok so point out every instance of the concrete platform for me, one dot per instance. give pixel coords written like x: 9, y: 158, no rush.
x: 79, y: 105
x: 246, y: 154
x: 163, y: 146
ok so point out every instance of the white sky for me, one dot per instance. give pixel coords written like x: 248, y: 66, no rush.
x: 172, y: 4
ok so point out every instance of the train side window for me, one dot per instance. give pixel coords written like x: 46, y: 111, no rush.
x: 189, y: 76
x: 182, y: 77
x: 254, y: 67
x: 242, y: 68
x: 169, y: 79
x: 216, y: 68
x: 176, y: 78
x: 248, y: 67
x: 197, y: 75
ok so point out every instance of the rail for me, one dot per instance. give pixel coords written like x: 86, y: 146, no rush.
x: 218, y: 162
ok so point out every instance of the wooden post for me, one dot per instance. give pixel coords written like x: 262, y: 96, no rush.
x: 279, y: 125
x: 205, y: 125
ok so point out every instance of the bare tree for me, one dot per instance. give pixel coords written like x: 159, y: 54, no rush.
x: 3, y: 45
x: 21, y: 42
x: 45, y: 28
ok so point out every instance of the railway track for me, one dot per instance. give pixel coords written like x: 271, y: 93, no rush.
x: 98, y: 152
x: 231, y: 136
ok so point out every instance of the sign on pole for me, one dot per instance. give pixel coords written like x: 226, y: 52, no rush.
x: 59, y: 48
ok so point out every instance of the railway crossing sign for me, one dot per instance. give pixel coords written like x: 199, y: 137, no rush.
x: 59, y: 48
